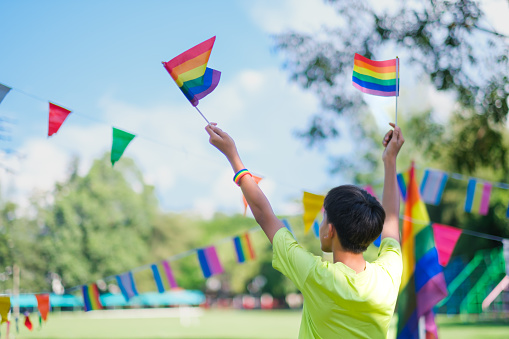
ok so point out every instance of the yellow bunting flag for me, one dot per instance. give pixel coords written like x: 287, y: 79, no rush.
x: 313, y: 204
x: 5, y: 306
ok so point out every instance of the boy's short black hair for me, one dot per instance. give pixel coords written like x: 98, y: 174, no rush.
x: 357, y: 216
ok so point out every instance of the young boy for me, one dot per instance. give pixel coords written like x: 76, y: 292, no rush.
x: 350, y: 298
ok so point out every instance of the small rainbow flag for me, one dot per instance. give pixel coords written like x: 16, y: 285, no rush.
x: 375, y: 77
x: 243, y: 248
x: 190, y: 71
x: 478, y: 200
x: 91, y: 297
x: 209, y: 262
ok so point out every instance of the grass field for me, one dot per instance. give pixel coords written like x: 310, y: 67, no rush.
x: 210, y: 324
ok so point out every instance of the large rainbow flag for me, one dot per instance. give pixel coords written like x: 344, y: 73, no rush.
x: 375, y: 77
x: 422, y: 283
x: 190, y: 71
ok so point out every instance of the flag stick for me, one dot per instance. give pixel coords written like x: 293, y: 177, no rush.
x: 397, y: 89
x: 202, y: 115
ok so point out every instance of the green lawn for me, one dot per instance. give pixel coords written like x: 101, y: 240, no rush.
x: 212, y: 324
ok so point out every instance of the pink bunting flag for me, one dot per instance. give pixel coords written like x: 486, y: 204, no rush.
x: 370, y: 190
x: 57, y: 116
x: 446, y: 238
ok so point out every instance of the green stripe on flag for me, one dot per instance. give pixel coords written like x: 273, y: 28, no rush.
x: 424, y: 241
x: 367, y: 78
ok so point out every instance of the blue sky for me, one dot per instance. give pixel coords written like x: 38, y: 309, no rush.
x: 102, y: 60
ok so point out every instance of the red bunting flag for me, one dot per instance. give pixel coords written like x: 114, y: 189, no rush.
x: 28, y: 323
x: 43, y: 305
x: 57, y: 116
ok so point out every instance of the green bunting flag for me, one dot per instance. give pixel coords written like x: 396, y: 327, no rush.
x: 120, y: 141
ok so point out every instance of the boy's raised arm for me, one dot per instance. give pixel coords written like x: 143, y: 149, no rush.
x: 392, y: 142
x: 256, y: 199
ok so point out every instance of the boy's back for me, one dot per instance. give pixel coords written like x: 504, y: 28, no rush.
x: 338, y: 302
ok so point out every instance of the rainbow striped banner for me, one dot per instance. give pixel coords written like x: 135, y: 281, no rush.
x: 91, y: 299
x: 432, y: 186
x: 375, y: 77
x: 478, y: 200
x: 209, y: 261
x: 191, y: 74
x: 243, y: 248
x: 169, y: 275
x: 422, y: 282
x: 403, y: 179
x: 127, y: 285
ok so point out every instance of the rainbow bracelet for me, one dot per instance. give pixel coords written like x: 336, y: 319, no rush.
x: 240, y: 174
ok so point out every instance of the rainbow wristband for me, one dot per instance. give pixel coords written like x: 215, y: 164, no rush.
x: 240, y: 174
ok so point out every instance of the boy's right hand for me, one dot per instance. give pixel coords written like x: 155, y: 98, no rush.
x: 221, y: 140
x: 392, y: 142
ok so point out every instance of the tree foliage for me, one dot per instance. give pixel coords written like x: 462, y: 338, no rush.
x: 448, y: 42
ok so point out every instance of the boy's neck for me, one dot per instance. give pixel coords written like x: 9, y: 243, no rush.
x: 355, y: 261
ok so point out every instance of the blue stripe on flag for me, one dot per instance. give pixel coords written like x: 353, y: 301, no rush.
x: 157, y: 278
x: 203, y: 263
x: 470, y: 195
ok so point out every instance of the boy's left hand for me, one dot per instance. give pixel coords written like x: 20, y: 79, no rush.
x: 221, y: 140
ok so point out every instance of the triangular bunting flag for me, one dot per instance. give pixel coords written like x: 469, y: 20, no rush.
x: 257, y: 179
x: 316, y: 228
x: 288, y: 227
x: 446, y: 238
x: 57, y: 116
x: 43, y: 305
x: 505, y: 243
x: 5, y: 306
x: 313, y: 204
x: 120, y: 141
x: 28, y: 323
x: 370, y: 190
x: 3, y: 91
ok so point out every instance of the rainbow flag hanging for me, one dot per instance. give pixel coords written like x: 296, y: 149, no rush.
x: 191, y: 74
x: 243, y: 248
x: 91, y: 297
x: 209, y: 261
x: 375, y: 77
x: 422, y: 282
x: 478, y: 197
x: 403, y: 179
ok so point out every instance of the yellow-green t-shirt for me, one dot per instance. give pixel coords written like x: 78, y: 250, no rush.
x: 338, y: 302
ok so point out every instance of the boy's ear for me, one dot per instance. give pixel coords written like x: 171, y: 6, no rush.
x: 331, y: 230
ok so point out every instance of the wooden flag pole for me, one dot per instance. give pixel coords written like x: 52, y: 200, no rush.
x: 397, y: 89
x: 202, y: 114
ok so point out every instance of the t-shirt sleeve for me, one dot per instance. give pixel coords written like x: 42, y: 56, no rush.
x: 390, y: 258
x: 290, y: 258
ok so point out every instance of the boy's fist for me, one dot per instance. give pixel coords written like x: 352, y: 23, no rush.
x: 392, y: 142
x: 221, y: 140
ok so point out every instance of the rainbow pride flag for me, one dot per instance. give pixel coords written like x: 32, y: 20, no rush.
x: 375, y: 77
x: 478, y: 197
x: 243, y: 248
x: 422, y: 283
x: 190, y: 71
x: 209, y: 261
x: 91, y: 297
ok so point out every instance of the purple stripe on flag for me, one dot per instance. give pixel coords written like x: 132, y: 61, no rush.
x: 374, y: 91
x: 430, y: 294
x: 213, y: 260
x: 485, y: 200
x: 169, y: 274
x: 216, y: 75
